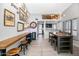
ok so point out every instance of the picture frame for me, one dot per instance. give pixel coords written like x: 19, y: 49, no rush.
x: 20, y: 26
x: 9, y: 18
x: 22, y: 15
x: 14, y: 5
x: 23, y: 6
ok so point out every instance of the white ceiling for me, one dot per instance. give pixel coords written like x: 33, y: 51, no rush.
x: 46, y: 8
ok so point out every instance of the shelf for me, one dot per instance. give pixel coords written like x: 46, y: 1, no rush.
x: 65, y: 50
x: 65, y: 41
x: 64, y: 46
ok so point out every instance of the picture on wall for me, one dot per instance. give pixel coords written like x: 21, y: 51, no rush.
x: 23, y: 6
x: 9, y: 18
x: 20, y: 26
x: 22, y: 14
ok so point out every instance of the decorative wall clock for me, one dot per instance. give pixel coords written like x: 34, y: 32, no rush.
x: 33, y: 25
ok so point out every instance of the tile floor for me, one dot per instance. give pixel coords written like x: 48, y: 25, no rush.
x: 41, y: 47
x: 76, y: 43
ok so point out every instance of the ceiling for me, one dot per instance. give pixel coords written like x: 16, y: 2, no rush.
x: 47, y: 8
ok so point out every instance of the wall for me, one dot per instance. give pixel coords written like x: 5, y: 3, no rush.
x: 71, y: 13
x: 33, y: 18
x: 39, y: 17
x: 60, y: 26
x: 47, y: 30
x: 7, y: 32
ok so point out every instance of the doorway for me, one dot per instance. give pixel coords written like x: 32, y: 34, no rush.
x: 40, y: 29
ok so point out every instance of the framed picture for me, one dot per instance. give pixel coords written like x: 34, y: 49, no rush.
x: 20, y: 26
x: 23, y: 6
x: 9, y: 18
x: 14, y: 5
x: 22, y: 14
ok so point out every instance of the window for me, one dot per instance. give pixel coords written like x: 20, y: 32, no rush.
x: 48, y: 25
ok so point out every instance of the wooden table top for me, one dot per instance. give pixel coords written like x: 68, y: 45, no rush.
x: 62, y: 34
x: 8, y: 42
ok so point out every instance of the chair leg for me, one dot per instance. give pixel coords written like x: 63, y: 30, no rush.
x: 20, y: 46
x: 26, y: 47
x: 24, y: 50
x: 54, y: 44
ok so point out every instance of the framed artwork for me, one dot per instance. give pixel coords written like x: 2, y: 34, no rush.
x: 9, y: 18
x: 20, y: 26
x: 33, y: 25
x: 22, y: 14
x: 23, y: 6
x: 14, y: 5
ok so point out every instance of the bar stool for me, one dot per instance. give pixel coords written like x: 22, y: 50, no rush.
x: 24, y: 46
x: 29, y: 38
x: 13, y: 52
x: 50, y: 35
x: 55, y: 42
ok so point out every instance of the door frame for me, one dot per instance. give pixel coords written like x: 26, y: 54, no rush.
x: 40, y: 22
